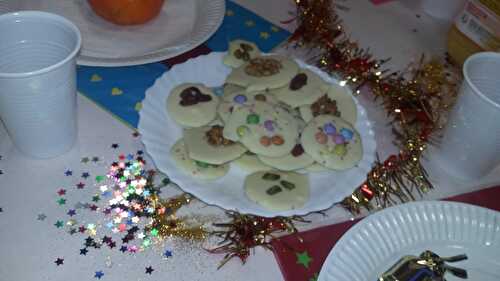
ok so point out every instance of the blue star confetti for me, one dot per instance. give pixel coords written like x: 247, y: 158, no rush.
x: 85, y: 175
x: 167, y: 254
x: 99, y: 274
x: 68, y: 173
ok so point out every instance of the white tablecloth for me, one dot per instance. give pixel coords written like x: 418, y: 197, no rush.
x: 29, y: 246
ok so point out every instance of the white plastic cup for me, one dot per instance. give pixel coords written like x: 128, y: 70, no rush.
x: 442, y: 9
x: 38, y: 81
x: 470, y: 147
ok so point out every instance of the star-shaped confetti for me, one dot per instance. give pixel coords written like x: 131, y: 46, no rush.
x: 1, y: 172
x: 1, y: 209
x: 98, y: 179
x: 95, y: 159
x: 115, y: 146
x: 82, y: 229
x: 61, y: 192
x: 167, y: 254
x: 303, y: 259
x: 71, y: 212
x: 140, y: 152
x: 99, y: 274
x: 59, y: 224
x: 41, y: 217
x: 85, y: 160
x: 61, y: 201
x: 123, y: 248
x: 149, y: 270
x: 85, y: 175
x: 72, y: 231
x: 59, y: 261
x: 80, y: 185
x: 264, y: 35
x: 84, y: 251
x: 250, y: 23
x: 68, y: 173
x: 95, y: 198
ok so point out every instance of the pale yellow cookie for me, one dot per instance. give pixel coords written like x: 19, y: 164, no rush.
x: 250, y: 163
x: 196, y: 169
x: 264, y: 128
x: 192, y: 105
x: 337, y: 102
x: 265, y: 72
x: 332, y: 142
x: 241, y: 98
x: 207, y: 144
x: 304, y: 88
x: 278, y: 191
x: 296, y: 159
x: 240, y: 52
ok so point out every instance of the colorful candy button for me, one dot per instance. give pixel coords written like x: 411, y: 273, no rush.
x: 253, y: 119
x: 338, y: 139
x: 329, y: 129
x: 240, y: 99
x: 347, y: 134
x: 265, y: 141
x: 321, y: 138
x: 340, y: 150
x: 269, y: 125
x: 277, y: 140
x: 242, y: 130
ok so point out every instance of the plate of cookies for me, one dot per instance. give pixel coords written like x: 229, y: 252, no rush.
x: 257, y: 133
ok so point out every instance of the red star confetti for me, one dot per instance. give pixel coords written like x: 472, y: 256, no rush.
x: 80, y: 185
x: 61, y: 192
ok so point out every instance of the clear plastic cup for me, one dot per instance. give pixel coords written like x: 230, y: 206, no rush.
x: 470, y: 147
x: 38, y: 81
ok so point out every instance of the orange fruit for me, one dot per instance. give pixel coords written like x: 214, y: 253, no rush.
x: 127, y: 12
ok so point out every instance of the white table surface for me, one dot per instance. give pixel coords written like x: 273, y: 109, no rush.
x: 29, y: 247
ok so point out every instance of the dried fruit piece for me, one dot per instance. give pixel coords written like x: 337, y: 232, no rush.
x: 299, y: 81
x: 297, y: 150
x: 265, y: 141
x: 271, y: 177
x: 288, y: 185
x: 274, y: 190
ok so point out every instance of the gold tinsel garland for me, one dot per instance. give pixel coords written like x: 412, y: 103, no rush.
x: 414, y: 100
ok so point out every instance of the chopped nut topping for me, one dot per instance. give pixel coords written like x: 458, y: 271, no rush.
x: 260, y: 67
x: 325, y: 105
x: 215, y: 137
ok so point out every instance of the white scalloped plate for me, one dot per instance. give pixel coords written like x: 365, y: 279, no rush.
x: 373, y: 245
x: 181, y: 26
x: 159, y: 132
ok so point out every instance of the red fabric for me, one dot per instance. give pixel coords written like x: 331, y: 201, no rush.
x: 318, y: 242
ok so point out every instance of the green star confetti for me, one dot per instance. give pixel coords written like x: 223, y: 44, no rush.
x: 303, y: 259
x: 59, y: 224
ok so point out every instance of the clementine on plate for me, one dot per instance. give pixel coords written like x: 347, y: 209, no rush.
x: 127, y: 12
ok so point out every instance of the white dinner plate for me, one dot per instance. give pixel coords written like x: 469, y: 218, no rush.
x: 159, y: 132
x: 181, y: 26
x: 373, y: 245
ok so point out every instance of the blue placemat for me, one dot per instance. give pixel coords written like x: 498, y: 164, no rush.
x: 120, y: 90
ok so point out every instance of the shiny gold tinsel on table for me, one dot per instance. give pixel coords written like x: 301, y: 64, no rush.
x: 414, y: 100
x: 168, y: 224
x: 245, y: 232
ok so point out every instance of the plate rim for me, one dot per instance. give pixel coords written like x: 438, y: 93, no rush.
x: 219, y: 11
x: 371, y: 142
x: 355, y: 230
